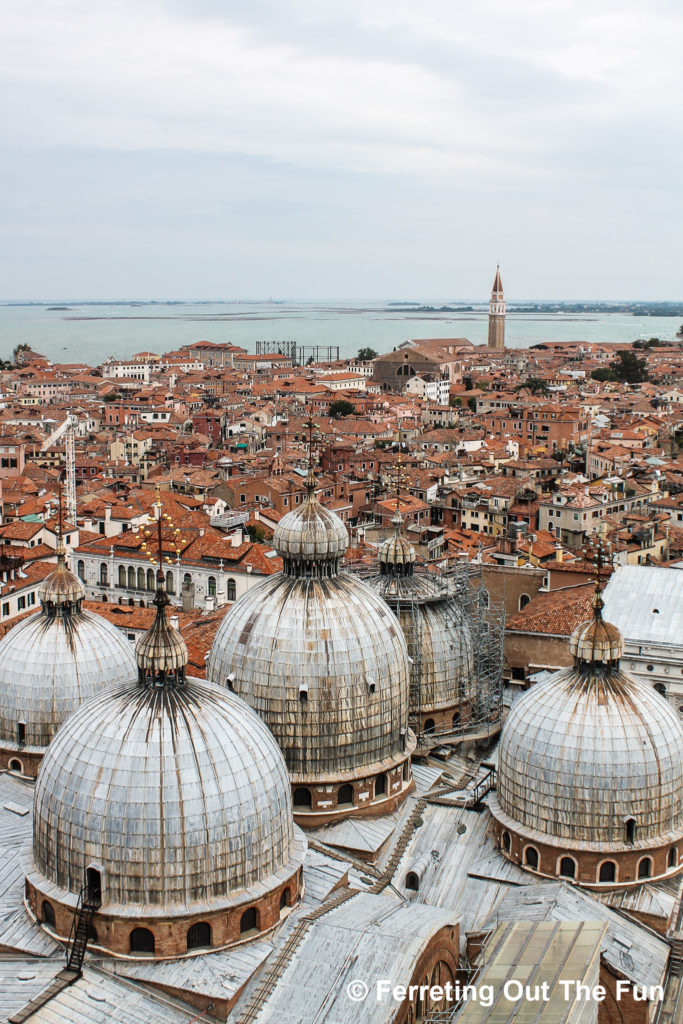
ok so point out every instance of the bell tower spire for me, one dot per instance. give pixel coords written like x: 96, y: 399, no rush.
x: 497, y: 315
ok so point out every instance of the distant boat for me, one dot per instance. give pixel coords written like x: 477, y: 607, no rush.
x: 53, y: 309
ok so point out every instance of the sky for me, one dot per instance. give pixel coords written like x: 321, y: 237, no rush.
x: 198, y: 149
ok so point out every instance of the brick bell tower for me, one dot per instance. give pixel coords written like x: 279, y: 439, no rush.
x: 497, y: 315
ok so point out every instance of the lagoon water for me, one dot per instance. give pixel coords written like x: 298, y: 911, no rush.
x: 92, y: 333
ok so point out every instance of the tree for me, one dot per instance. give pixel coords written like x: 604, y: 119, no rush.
x: 467, y: 381
x: 603, y: 373
x: 534, y: 385
x: 366, y: 354
x: 629, y: 368
x: 20, y: 356
x: 455, y: 402
x: 472, y: 403
x: 256, y: 532
x: 341, y: 408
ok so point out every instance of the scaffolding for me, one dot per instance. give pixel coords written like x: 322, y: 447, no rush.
x: 460, y: 584
x: 299, y: 354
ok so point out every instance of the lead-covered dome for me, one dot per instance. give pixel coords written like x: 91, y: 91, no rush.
x: 167, y: 801
x: 53, y: 661
x: 179, y: 797
x: 320, y: 657
x: 592, y: 760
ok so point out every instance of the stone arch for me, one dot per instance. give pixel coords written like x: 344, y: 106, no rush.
x: 381, y: 783
x: 16, y: 765
x: 607, y: 871
x: 199, y: 935
x: 412, y: 881
x: 644, y: 869
x: 47, y: 913
x: 567, y: 867
x: 302, y: 798
x: 345, y: 795
x: 531, y: 858
x: 141, y: 940
x: 523, y: 601
x: 249, y: 922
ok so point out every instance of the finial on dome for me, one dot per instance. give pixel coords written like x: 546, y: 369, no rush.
x: 61, y: 592
x: 596, y: 641
x: 311, y: 481
x: 396, y: 554
x: 161, y: 653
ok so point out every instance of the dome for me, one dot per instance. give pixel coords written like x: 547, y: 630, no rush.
x: 161, y: 651
x: 179, y: 796
x: 54, y: 660
x: 396, y: 553
x: 311, y: 534
x: 592, y: 748
x: 318, y: 655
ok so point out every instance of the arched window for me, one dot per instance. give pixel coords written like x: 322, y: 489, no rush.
x: 345, y: 796
x: 429, y: 725
x: 212, y: 586
x: 187, y: 579
x: 249, y: 921
x: 523, y: 601
x: 412, y: 881
x: 141, y: 579
x: 232, y: 590
x: 285, y: 899
x: 608, y: 871
x: 380, y: 785
x: 567, y: 868
x: 199, y: 935
x: 48, y: 914
x: 93, y: 884
x: 141, y: 940
x: 456, y: 719
x: 630, y: 825
x: 672, y: 859
x: 170, y: 585
x: 303, y: 799
x: 645, y: 868
x: 506, y: 841
x: 151, y: 582
x: 80, y: 569
x: 131, y: 576
x: 122, y: 575
x: 16, y: 766
x: 92, y: 934
x: 531, y: 858
x: 104, y: 575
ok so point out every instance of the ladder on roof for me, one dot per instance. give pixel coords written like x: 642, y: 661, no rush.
x: 81, y: 928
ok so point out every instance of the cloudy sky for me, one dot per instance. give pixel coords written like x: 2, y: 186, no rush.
x: 318, y: 149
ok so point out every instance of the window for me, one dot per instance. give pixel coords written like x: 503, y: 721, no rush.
x: 21, y: 603
x: 285, y: 899
x: 131, y: 576
x: 48, y: 914
x: 232, y: 590
x: 199, y: 935
x: 122, y: 575
x: 212, y: 586
x: 456, y: 720
x: 380, y: 785
x: 345, y: 796
x: 671, y: 860
x: 645, y: 868
x: 80, y: 569
x: 531, y: 858
x: 523, y: 601
x: 303, y: 693
x: 302, y: 799
x: 104, y: 575
x: 429, y: 725
x: 412, y: 881
x: 249, y: 921
x: 21, y: 733
x: 93, y: 882
x: 5, y: 608
x: 608, y: 871
x: 170, y: 586
x: 141, y: 579
x: 630, y: 825
x: 506, y: 841
x: 567, y: 867
x: 15, y: 765
x: 151, y: 582
x: 141, y: 940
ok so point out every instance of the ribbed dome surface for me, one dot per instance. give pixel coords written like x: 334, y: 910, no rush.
x: 396, y: 550
x: 311, y: 532
x: 586, y: 750
x: 335, y: 637
x: 61, y: 587
x: 446, y: 661
x: 596, y: 640
x: 179, y: 796
x: 50, y: 664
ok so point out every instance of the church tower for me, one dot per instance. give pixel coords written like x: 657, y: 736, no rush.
x: 497, y: 315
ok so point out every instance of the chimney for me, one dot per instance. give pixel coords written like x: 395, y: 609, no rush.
x: 209, y: 603
x: 175, y: 622
x: 559, y: 554
x: 236, y: 539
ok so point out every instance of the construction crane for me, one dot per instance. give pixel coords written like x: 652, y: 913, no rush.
x: 67, y: 430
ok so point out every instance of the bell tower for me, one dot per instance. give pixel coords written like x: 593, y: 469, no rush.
x: 497, y: 315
